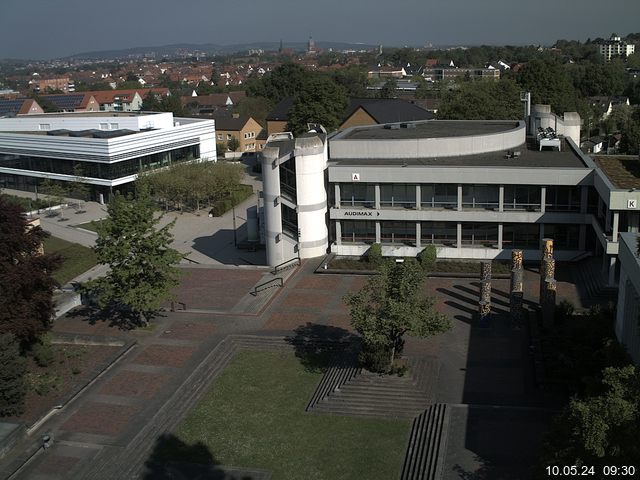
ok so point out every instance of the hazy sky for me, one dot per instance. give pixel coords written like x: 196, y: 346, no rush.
x: 53, y: 28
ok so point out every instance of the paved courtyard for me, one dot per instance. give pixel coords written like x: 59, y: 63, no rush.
x: 485, y: 374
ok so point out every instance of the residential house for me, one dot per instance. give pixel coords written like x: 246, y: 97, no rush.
x: 19, y: 106
x: 73, y: 102
x: 208, y: 104
x: 244, y: 129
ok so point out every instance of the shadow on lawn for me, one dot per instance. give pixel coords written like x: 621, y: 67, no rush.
x: 320, y: 346
x: 173, y: 459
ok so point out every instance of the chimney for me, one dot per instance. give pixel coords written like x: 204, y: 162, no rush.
x: 235, y: 115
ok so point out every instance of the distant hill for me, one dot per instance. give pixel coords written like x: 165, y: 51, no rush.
x: 212, y: 49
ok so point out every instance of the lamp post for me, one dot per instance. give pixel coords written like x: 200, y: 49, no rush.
x: 235, y: 233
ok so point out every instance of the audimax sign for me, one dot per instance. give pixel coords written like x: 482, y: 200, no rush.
x: 360, y: 213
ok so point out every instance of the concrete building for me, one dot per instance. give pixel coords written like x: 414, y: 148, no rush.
x: 475, y: 189
x: 111, y: 148
x: 615, y: 47
x: 627, y: 325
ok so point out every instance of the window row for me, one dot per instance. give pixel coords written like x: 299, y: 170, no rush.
x: 107, y: 171
x: 519, y: 235
x: 516, y: 197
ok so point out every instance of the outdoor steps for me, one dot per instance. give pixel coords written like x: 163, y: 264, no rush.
x: 344, y: 391
x: 591, y: 282
x: 427, y: 444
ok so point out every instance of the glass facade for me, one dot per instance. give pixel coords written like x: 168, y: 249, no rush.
x: 480, y: 235
x: 288, y: 180
x: 107, y: 171
x: 357, y: 195
x: 521, y: 235
x: 522, y: 197
x: 562, y: 199
x: 289, y: 221
x: 358, y: 231
x: 440, y: 195
x: 480, y: 197
x: 565, y: 237
x: 400, y: 195
x: 398, y: 232
x: 439, y: 233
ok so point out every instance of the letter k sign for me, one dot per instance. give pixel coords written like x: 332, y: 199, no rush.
x: 632, y: 203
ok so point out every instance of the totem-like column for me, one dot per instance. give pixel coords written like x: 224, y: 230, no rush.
x: 484, y: 307
x: 517, y: 257
x: 547, y: 254
x: 516, y: 297
x: 549, y: 302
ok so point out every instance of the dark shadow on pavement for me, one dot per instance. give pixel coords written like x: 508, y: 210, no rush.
x: 320, y: 346
x: 173, y: 459
x: 115, y: 317
x: 221, y: 246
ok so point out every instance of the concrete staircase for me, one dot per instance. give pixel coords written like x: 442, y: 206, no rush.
x: 592, y: 284
x: 351, y: 391
x: 424, y: 458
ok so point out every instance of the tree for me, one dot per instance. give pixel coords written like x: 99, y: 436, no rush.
x: 319, y: 101
x: 389, y: 306
x: 285, y: 81
x: 12, y: 371
x: 600, y: 429
x: 26, y: 285
x: 233, y: 144
x: 388, y: 90
x: 142, y: 264
x: 79, y: 187
x: 255, y: 107
x: 482, y: 100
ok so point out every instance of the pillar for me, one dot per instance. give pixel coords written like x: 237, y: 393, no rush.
x: 338, y: 232
x: 459, y: 235
x: 612, y: 271
x: 418, y: 235
x: 501, y: 198
x: 459, y: 197
x: 378, y: 234
x: 500, y: 230
x: 418, y: 197
x: 543, y: 199
x: 336, y: 193
x: 616, y: 222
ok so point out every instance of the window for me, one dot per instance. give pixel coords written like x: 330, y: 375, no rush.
x: 522, y: 197
x: 229, y: 136
x: 45, y: 126
x: 114, y: 126
x: 480, y: 235
x: 439, y: 233
x: 480, y: 197
x: 521, y: 235
x: 565, y: 237
x: 104, y: 126
x: 562, y: 199
x: 220, y: 136
x: 439, y: 195
x: 357, y: 195
x: 398, y: 232
x: 357, y: 231
x: 398, y: 195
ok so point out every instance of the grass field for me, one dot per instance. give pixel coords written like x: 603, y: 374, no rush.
x: 76, y: 259
x: 92, y: 225
x: 253, y: 416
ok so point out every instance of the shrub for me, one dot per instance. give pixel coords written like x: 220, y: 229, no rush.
x: 374, y: 255
x: 43, y: 351
x: 565, y: 310
x: 375, y: 358
x: 427, y: 257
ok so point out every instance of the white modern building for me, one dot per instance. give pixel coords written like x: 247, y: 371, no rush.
x: 475, y: 189
x: 111, y: 149
x: 615, y: 47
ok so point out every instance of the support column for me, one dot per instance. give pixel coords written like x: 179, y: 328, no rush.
x: 418, y: 197
x: 616, y: 222
x: 336, y: 193
x: 338, y: 232
x: 501, y: 198
x: 612, y: 271
x: 500, y: 236
x: 543, y: 199
x: 378, y: 235
x: 418, y: 235
x: 377, y: 195
x: 459, y: 197
x: 459, y: 236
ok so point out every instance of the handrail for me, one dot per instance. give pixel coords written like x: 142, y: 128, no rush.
x: 285, y: 265
x: 268, y: 284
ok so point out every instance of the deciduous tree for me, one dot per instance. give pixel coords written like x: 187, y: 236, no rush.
x: 319, y: 101
x: 12, y: 381
x: 142, y: 263
x: 388, y: 307
x: 26, y: 285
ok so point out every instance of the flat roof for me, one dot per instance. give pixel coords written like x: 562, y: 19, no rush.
x: 530, y: 157
x: 622, y: 170
x: 429, y: 129
x: 89, y: 114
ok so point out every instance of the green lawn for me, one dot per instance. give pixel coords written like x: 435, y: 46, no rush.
x: 77, y: 259
x: 253, y: 416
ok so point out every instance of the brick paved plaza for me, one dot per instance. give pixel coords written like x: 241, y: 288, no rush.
x: 480, y: 366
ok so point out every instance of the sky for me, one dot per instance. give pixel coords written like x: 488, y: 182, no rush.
x: 44, y: 29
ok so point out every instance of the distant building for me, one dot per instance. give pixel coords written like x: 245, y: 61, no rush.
x: 73, y: 102
x: 110, y: 148
x: 19, y: 106
x: 64, y: 84
x: 447, y: 73
x: 208, y: 104
x: 615, y: 47
x: 244, y: 129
